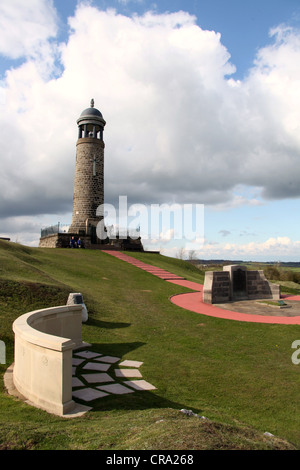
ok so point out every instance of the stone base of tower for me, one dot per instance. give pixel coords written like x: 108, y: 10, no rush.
x: 63, y: 240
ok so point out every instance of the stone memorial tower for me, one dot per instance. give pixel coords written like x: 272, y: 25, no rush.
x: 89, y: 173
x: 88, y: 192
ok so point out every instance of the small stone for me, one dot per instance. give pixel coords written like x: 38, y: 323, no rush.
x: 268, y: 434
x: 188, y: 412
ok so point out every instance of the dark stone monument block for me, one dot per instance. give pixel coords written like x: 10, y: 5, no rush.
x: 237, y: 283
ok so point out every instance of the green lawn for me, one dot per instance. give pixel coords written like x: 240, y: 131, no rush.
x: 239, y: 375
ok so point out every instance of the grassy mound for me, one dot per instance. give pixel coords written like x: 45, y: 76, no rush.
x: 238, y: 375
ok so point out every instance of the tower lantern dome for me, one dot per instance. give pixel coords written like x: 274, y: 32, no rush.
x: 91, y: 123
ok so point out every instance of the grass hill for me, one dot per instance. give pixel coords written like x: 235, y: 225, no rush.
x: 238, y: 375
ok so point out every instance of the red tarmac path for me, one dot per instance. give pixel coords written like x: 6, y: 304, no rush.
x: 193, y: 301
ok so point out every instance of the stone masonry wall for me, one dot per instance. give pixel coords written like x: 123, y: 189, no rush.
x: 216, y: 287
x: 61, y: 240
x: 258, y: 287
x: 221, y: 287
x: 88, y: 181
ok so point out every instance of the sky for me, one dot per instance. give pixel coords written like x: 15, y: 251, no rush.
x: 201, y: 100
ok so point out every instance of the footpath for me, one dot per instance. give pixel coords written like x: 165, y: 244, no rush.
x: 193, y: 301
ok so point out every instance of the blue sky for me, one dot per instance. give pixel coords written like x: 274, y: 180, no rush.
x: 201, y: 100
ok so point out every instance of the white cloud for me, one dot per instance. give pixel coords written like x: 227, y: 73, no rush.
x: 272, y: 249
x: 179, y: 127
x: 26, y: 27
x: 126, y: 2
x: 167, y: 235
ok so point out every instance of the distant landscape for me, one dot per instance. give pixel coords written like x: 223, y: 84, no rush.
x: 203, y: 262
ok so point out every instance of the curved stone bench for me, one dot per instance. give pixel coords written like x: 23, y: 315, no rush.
x: 44, y: 341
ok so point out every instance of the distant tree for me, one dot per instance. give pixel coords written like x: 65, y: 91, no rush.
x: 180, y: 253
x: 272, y: 273
x: 192, y: 255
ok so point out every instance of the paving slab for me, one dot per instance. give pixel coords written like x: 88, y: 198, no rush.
x: 78, y: 411
x: 131, y: 363
x: 140, y: 385
x: 96, y: 366
x: 127, y: 373
x: 89, y: 394
x: 110, y: 359
x: 76, y: 361
x: 87, y: 354
x: 76, y: 382
x: 97, y: 378
x: 116, y: 389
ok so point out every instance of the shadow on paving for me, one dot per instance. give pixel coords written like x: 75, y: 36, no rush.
x: 115, y: 349
x: 140, y: 400
x: 106, y: 324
